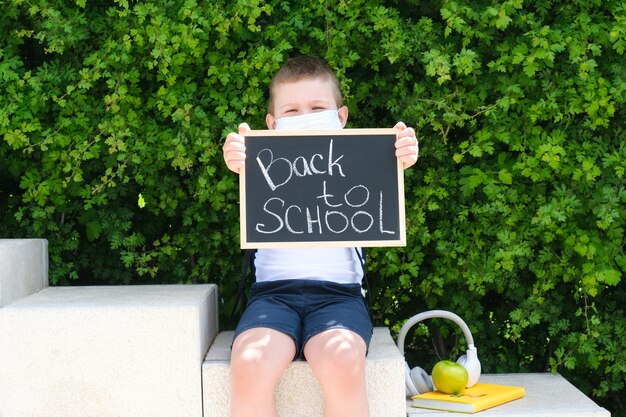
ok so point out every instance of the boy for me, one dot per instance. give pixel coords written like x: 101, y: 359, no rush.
x: 304, y: 301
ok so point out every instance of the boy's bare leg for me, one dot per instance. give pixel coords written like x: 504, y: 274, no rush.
x: 258, y: 359
x: 337, y: 358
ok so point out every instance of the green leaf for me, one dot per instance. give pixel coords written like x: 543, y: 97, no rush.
x: 505, y: 176
x: 93, y: 230
x: 140, y: 201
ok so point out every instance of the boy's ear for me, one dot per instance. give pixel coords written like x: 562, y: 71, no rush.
x: 270, y: 121
x: 343, y: 115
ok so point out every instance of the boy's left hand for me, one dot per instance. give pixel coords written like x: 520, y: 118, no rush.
x: 407, y: 147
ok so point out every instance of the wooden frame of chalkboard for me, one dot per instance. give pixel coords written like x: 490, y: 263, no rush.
x: 305, y: 188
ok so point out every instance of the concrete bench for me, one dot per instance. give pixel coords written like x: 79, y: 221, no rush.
x: 103, y: 351
x: 139, y: 351
x: 547, y: 395
x: 299, y: 394
x: 23, y: 268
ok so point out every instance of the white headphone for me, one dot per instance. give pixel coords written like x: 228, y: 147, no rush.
x: 417, y: 380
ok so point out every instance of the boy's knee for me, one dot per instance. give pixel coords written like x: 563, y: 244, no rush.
x: 346, y: 356
x: 261, y: 352
x: 250, y: 364
x: 338, y: 354
x: 339, y: 369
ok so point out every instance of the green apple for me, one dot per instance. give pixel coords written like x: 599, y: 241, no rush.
x: 449, y: 377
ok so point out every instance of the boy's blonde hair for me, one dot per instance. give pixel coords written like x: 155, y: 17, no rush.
x: 302, y: 67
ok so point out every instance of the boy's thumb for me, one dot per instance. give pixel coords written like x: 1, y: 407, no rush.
x: 244, y: 128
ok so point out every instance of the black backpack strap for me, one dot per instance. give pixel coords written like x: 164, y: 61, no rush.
x: 360, y: 252
x: 247, y: 264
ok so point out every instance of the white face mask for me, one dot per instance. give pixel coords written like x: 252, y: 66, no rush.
x: 327, y: 119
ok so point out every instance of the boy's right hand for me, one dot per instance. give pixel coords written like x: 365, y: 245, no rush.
x: 234, y: 148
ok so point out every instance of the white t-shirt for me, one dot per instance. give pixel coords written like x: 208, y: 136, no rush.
x: 340, y: 265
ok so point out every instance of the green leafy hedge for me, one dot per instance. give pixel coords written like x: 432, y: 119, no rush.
x: 112, y: 116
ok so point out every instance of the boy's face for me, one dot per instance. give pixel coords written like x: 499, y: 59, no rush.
x: 308, y: 95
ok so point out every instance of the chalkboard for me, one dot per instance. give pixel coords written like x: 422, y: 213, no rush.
x: 304, y: 188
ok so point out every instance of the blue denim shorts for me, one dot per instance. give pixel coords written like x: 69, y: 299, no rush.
x: 304, y: 308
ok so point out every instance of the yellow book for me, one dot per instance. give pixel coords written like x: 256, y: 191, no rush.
x: 469, y: 400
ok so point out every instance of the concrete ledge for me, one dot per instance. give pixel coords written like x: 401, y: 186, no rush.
x: 299, y: 394
x: 547, y: 395
x: 120, y: 351
x: 23, y: 268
